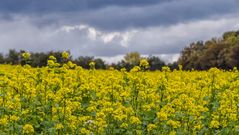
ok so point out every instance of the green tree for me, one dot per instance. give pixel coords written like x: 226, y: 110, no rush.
x: 13, y: 57
x: 133, y: 58
x: 155, y: 63
x: 2, y: 59
x: 84, y: 61
x: 99, y: 64
x: 217, y: 52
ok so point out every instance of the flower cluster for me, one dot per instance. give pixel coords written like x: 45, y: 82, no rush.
x: 67, y: 99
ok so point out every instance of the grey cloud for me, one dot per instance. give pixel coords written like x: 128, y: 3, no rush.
x: 115, y: 28
x: 122, y: 15
x: 87, y: 40
x: 163, y: 14
x: 48, y: 6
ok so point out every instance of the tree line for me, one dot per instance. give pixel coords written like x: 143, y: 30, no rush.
x: 220, y: 52
x: 39, y: 59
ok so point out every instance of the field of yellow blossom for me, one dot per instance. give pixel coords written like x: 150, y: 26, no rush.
x: 66, y: 99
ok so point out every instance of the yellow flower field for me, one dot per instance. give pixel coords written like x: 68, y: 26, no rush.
x: 70, y: 100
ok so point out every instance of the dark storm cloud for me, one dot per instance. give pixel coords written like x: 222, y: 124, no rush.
x: 118, y: 14
x: 162, y: 14
x: 46, y: 6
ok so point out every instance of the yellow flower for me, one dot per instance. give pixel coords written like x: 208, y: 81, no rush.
x: 71, y: 65
x: 59, y: 126
x: 26, y: 55
x: 197, y: 127
x: 150, y: 127
x: 14, y: 118
x: 85, y: 131
x: 144, y: 63
x: 162, y: 116
x: 174, y: 124
x: 124, y: 125
x: 92, y: 65
x: 3, y: 121
x: 233, y: 117
x: 28, y: 129
x: 135, y: 69
x: 134, y: 120
x: 172, y: 133
x: 214, y: 124
x: 50, y: 63
x: 100, y: 115
x: 65, y: 55
x: 52, y: 58
x: 165, y: 69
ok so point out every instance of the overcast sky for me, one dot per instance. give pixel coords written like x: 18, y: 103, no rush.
x: 111, y: 28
